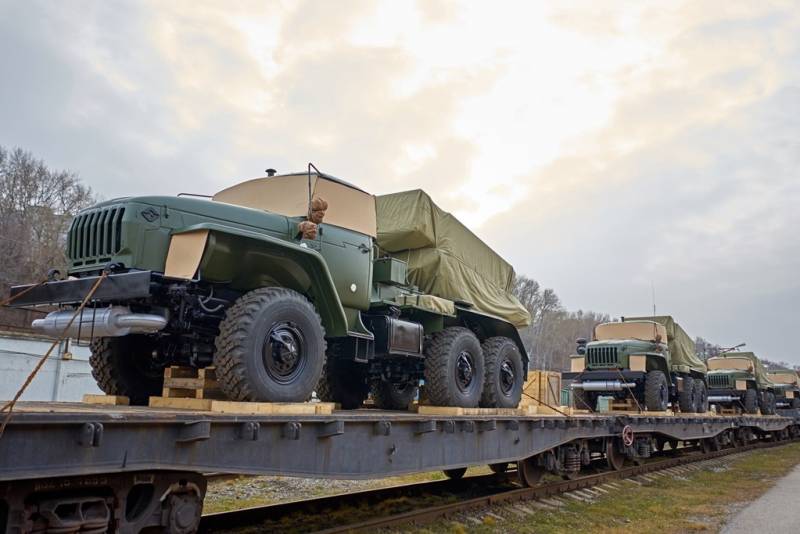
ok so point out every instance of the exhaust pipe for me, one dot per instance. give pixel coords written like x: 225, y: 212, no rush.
x: 602, y: 385
x: 114, y: 321
x: 722, y: 398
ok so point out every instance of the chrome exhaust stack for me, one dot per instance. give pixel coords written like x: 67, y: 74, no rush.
x: 722, y: 398
x: 113, y: 321
x: 602, y: 385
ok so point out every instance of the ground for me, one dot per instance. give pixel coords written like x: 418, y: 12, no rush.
x: 693, y: 501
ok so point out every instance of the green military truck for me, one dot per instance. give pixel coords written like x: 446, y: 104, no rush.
x: 787, y: 388
x: 289, y: 284
x: 651, y: 359
x: 738, y: 380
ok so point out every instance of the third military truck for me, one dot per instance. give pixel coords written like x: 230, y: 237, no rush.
x: 738, y: 380
x: 649, y: 359
x: 787, y: 388
x: 288, y: 284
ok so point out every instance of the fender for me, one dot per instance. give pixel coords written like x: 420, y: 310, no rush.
x: 248, y: 260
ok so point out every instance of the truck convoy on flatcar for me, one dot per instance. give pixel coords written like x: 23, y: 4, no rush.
x: 739, y: 380
x: 787, y: 388
x: 289, y: 284
x: 651, y: 359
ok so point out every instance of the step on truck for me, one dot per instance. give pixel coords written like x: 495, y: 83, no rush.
x: 738, y: 380
x: 787, y: 388
x: 649, y: 359
x: 290, y: 284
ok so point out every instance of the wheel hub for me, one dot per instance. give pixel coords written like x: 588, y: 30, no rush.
x: 283, y: 353
x: 507, y: 377
x: 464, y: 371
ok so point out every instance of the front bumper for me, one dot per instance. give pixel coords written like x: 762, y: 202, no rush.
x: 115, y: 288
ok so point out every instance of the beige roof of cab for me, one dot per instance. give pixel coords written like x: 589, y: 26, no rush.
x: 348, y: 206
x: 783, y: 377
x: 643, y: 330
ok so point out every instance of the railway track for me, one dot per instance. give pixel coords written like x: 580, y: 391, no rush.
x: 429, y: 501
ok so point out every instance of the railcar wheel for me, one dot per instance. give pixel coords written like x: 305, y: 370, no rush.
x: 270, y: 347
x: 455, y: 474
x: 530, y: 472
x: 454, y: 372
x: 614, y: 457
x: 502, y: 387
x: 705, y: 445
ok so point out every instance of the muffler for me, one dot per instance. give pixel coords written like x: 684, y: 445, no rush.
x: 602, y: 385
x: 114, y: 321
x: 722, y: 398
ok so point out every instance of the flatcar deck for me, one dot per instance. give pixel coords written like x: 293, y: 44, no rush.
x: 63, y: 439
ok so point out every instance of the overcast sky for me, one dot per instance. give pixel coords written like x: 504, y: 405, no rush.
x: 602, y: 149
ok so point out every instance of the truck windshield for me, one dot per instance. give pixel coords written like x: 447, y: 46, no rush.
x: 642, y: 330
x: 742, y: 364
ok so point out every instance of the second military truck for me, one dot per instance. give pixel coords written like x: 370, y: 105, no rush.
x: 739, y: 381
x: 649, y: 359
x: 289, y: 284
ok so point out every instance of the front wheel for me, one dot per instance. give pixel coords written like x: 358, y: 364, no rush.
x: 270, y: 347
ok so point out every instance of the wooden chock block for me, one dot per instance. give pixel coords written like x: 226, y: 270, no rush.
x: 109, y: 400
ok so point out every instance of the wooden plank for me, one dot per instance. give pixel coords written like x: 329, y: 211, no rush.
x: 190, y: 383
x: 182, y: 393
x: 180, y: 372
x: 109, y: 400
x: 456, y: 410
x: 181, y: 404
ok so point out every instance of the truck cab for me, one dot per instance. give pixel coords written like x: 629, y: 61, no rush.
x: 787, y: 388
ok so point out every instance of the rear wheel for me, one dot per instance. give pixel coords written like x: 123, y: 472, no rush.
x: 687, y: 398
x: 389, y: 396
x: 502, y: 387
x: 271, y: 347
x: 701, y: 396
x: 750, y: 401
x: 454, y: 372
x: 656, y: 391
x: 125, y: 366
x: 342, y: 382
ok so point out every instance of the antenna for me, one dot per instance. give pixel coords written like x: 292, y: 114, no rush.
x: 653, y: 296
x: 310, y: 166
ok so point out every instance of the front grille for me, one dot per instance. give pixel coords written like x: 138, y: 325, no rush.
x: 718, y: 381
x: 602, y: 356
x: 95, y: 236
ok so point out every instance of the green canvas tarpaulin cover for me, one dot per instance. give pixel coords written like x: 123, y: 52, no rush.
x: 760, y: 371
x: 681, y: 347
x: 444, y: 257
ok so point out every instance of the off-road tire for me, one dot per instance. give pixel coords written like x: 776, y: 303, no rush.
x: 768, y: 406
x: 388, y: 396
x: 241, y: 372
x: 656, y: 391
x: 342, y: 382
x: 442, y: 352
x: 123, y: 366
x: 750, y: 401
x: 687, y: 399
x: 497, y: 351
x: 584, y: 400
x: 702, y: 396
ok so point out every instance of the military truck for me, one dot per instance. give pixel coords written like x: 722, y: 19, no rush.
x: 649, y: 359
x: 288, y: 284
x: 787, y: 388
x: 739, y: 380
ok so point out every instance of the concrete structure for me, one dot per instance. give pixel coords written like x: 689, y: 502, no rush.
x: 65, y: 376
x: 775, y: 511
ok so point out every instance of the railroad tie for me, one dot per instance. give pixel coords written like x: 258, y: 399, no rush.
x: 557, y: 503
